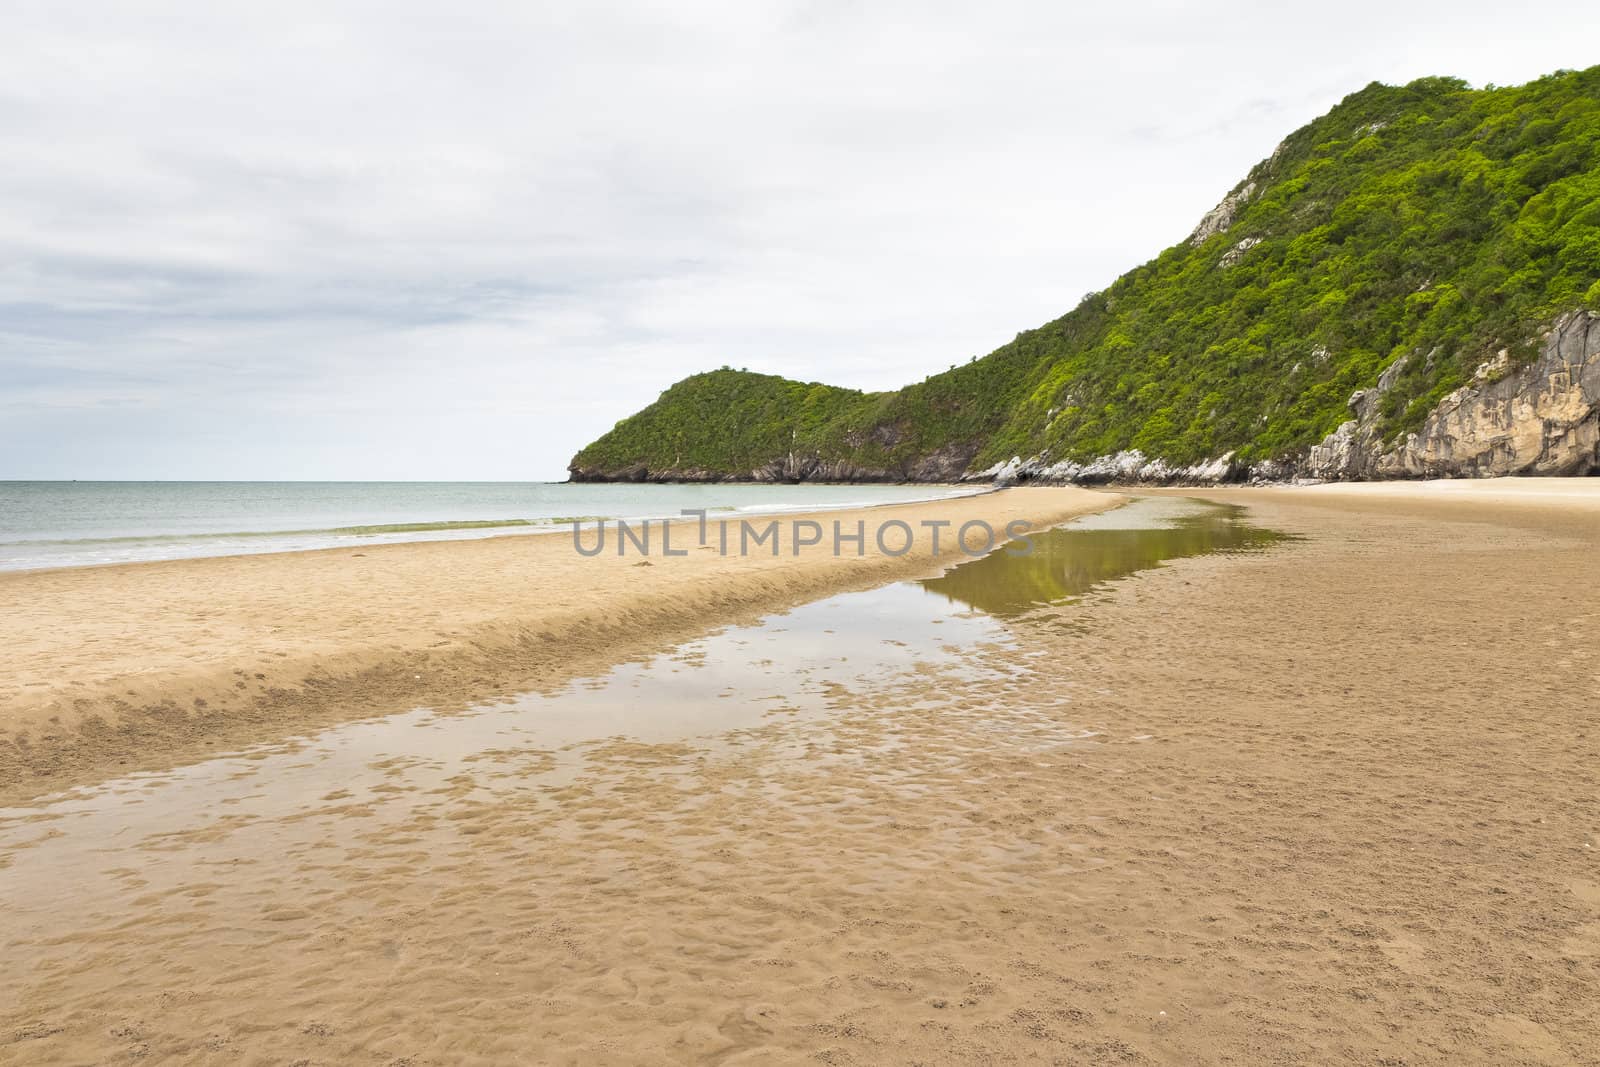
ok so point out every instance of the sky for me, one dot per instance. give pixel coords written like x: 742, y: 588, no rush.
x: 395, y: 240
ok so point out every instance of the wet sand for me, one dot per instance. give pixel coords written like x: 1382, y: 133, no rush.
x: 113, y: 669
x: 1332, y: 800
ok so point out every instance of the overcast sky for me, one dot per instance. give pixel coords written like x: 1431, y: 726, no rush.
x: 395, y: 240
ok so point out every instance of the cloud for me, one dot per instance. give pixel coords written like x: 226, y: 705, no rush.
x: 459, y: 241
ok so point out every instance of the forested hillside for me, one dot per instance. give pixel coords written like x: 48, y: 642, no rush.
x: 1420, y: 229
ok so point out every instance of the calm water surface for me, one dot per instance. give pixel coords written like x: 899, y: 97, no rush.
x: 1073, y: 559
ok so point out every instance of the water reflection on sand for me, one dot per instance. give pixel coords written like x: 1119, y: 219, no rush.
x: 1072, y: 559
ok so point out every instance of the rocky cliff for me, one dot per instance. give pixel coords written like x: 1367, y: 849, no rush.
x: 1543, y: 418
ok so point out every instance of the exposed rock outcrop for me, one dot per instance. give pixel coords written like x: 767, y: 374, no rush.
x: 1123, y: 468
x: 1543, y: 418
x: 1219, y: 218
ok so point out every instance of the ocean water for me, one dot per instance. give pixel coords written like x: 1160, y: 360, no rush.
x: 68, y: 524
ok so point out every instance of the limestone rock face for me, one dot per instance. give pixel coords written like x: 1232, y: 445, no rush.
x: 1221, y: 217
x: 1541, y: 419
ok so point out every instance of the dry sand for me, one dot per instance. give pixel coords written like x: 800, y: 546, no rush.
x: 1333, y: 802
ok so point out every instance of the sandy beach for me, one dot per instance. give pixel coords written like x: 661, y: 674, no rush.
x: 1336, y: 800
x: 121, y: 668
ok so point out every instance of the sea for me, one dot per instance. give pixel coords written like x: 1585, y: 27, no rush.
x: 74, y: 524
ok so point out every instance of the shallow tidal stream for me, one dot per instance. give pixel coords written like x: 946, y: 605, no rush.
x: 319, y: 796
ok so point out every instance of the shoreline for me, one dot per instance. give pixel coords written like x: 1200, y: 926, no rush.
x: 131, y: 666
x: 208, y: 544
x: 1119, y: 472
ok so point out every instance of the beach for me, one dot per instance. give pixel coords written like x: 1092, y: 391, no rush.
x: 135, y: 666
x: 1333, y: 799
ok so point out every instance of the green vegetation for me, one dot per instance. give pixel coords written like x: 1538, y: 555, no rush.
x: 724, y: 420
x: 1428, y: 222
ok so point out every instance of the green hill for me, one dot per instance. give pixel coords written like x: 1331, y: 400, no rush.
x: 1417, y: 229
